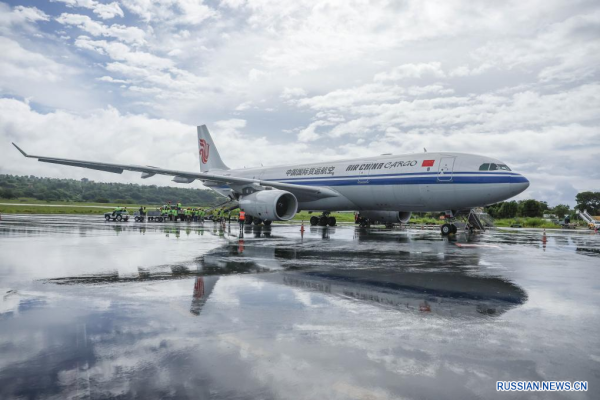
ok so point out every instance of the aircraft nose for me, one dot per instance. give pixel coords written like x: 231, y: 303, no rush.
x: 518, y: 184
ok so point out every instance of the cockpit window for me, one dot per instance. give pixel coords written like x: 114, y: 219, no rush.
x: 494, y: 167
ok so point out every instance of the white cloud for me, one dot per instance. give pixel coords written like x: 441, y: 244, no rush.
x: 19, y: 16
x: 19, y: 63
x: 111, y: 79
x: 309, y: 134
x: 143, y: 140
x: 565, y: 51
x: 405, y: 71
x: 128, y: 34
x: 324, y: 74
x: 174, y: 12
x: 244, y: 106
x: 122, y: 52
x: 103, y: 10
x: 289, y: 93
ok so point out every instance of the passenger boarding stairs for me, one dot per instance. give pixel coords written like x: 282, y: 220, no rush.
x: 477, y: 219
x: 589, y: 219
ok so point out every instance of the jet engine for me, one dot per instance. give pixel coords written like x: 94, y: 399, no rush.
x: 270, y: 205
x: 386, y: 217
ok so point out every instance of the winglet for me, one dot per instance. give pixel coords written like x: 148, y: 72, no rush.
x: 22, y: 152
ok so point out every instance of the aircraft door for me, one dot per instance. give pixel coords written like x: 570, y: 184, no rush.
x: 445, y: 169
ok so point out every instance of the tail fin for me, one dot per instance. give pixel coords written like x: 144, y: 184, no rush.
x: 209, y: 156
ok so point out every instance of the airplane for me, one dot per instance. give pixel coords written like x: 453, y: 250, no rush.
x: 386, y: 188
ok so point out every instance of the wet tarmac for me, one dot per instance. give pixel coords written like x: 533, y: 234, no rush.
x: 99, y: 310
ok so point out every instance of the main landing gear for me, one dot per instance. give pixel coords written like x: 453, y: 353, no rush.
x: 256, y: 221
x: 448, y: 229
x: 324, y: 220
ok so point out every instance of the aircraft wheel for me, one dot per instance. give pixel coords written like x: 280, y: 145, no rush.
x: 257, y: 221
x: 249, y: 219
x: 268, y: 223
x: 453, y: 228
x: 314, y: 220
x: 331, y: 221
x: 107, y: 218
x: 323, y: 221
x: 446, y: 229
x: 119, y: 218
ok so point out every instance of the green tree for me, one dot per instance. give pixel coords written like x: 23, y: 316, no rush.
x: 589, y: 201
x: 508, y: 209
x: 7, y: 194
x: 530, y: 208
x: 561, y: 210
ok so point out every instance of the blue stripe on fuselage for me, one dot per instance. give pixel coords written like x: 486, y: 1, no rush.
x: 394, y: 174
x: 411, y: 181
x: 403, y: 179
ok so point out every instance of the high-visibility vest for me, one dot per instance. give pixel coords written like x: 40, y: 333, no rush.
x: 242, y: 215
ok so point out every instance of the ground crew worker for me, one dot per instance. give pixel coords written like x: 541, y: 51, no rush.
x: 179, y: 205
x: 242, y: 219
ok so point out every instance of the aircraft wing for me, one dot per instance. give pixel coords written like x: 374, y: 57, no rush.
x: 304, y: 191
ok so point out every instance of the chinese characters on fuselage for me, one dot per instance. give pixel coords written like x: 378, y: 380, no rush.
x: 310, y: 171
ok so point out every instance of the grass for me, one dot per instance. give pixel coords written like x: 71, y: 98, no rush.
x: 33, y: 206
x: 20, y: 206
x: 35, y: 209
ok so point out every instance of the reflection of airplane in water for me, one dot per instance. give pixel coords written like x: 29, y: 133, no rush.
x: 447, y: 294
x: 440, y: 282
x: 431, y: 277
x: 235, y: 257
x: 203, y: 287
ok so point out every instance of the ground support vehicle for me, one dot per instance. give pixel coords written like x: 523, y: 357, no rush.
x: 120, y: 215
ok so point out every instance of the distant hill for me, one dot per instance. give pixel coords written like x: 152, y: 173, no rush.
x: 51, y: 189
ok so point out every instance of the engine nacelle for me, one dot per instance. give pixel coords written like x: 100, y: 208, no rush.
x: 270, y: 205
x: 387, y: 217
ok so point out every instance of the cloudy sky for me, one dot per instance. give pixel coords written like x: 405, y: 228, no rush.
x: 293, y: 80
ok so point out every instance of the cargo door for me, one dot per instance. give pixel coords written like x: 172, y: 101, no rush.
x: 445, y: 169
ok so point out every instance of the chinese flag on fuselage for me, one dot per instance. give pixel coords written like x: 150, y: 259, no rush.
x: 427, y: 163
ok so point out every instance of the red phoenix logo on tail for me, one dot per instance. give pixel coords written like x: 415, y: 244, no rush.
x: 204, y: 147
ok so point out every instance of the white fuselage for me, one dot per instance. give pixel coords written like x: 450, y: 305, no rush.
x: 412, y: 182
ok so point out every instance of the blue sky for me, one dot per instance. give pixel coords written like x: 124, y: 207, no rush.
x: 293, y: 81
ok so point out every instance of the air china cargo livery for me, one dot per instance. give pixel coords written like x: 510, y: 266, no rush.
x: 386, y: 188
